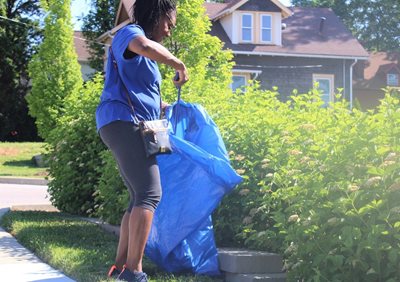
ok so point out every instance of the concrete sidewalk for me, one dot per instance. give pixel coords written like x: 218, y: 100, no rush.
x: 17, y: 264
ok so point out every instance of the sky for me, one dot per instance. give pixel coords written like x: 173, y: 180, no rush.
x: 80, y: 8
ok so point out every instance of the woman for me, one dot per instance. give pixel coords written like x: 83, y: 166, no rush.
x: 136, y: 49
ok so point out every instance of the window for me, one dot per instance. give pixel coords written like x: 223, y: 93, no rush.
x: 266, y: 28
x: 392, y: 79
x: 325, y: 85
x: 238, y: 81
x: 247, y: 27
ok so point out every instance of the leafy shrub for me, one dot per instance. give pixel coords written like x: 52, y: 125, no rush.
x: 321, y: 184
x: 111, y: 195
x: 75, y: 153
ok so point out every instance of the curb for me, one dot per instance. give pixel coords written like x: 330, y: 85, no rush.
x: 24, y: 181
x: 113, y: 229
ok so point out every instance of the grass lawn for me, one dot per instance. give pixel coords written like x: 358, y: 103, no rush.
x: 16, y: 159
x: 82, y: 250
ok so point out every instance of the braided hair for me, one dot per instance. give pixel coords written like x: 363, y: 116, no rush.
x: 147, y: 13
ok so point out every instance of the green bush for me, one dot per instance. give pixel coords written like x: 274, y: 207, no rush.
x: 111, y: 195
x: 74, y: 153
x: 322, y: 185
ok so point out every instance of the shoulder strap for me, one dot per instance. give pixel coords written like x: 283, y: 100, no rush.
x: 125, y: 88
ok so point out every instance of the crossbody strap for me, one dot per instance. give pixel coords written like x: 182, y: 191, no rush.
x: 126, y: 88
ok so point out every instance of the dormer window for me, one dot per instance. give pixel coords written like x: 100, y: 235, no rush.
x: 247, y: 27
x: 266, y: 28
x: 393, y: 79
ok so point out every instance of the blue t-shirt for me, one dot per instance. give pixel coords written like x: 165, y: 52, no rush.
x: 140, y: 75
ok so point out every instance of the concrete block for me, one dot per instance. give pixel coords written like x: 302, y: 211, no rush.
x: 246, y: 261
x: 274, y: 277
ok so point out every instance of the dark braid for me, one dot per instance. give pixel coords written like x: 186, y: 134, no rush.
x: 147, y: 13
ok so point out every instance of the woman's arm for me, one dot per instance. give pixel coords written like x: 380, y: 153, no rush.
x: 155, y: 51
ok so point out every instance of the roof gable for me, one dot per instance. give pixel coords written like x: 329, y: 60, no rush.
x: 229, y: 7
x: 260, y: 5
x: 389, y: 68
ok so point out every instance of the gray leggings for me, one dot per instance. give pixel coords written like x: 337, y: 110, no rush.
x: 139, y: 173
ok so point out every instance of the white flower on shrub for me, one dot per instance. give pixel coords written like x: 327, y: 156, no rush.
x: 291, y: 249
x: 387, y: 163
x: 333, y: 221
x: 293, y: 218
x: 293, y: 172
x: 373, y: 181
x: 354, y: 187
x: 394, y: 187
x: 308, y: 126
x: 295, y: 152
x: 308, y: 142
x: 305, y: 160
x: 239, y: 158
x: 391, y: 157
x: 244, y: 192
x: 395, y: 210
x: 70, y: 163
x: 323, y: 168
x: 265, y: 161
x: 253, y: 211
x: 247, y: 220
x: 260, y: 234
x: 269, y: 175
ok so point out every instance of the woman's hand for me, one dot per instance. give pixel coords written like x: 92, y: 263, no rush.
x: 181, y: 76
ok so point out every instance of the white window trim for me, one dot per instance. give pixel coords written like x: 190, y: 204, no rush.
x: 391, y: 84
x: 246, y: 76
x: 251, y: 27
x: 331, y: 78
x: 262, y: 28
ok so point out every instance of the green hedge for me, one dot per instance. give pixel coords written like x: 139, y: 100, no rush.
x: 74, y: 154
x: 322, y: 185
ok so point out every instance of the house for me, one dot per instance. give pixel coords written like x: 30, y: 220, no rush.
x: 380, y: 71
x: 81, y: 49
x: 290, y: 48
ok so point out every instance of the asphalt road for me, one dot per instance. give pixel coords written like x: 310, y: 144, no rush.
x: 14, y: 194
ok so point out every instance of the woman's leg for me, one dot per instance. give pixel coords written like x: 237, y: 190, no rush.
x: 122, y: 251
x: 139, y: 228
x: 142, y: 177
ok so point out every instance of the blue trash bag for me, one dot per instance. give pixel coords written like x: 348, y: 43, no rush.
x: 194, y: 179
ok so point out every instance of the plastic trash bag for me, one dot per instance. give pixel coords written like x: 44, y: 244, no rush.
x: 194, y: 179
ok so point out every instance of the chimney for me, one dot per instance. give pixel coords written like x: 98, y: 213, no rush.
x: 321, y: 25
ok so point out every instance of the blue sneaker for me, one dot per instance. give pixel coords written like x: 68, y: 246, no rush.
x: 127, y: 275
x: 113, y: 272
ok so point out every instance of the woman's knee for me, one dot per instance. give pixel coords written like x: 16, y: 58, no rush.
x: 148, y: 200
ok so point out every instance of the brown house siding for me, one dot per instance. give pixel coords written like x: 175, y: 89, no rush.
x: 288, y: 73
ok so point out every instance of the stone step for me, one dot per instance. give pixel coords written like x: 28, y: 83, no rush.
x: 246, y: 261
x: 274, y: 277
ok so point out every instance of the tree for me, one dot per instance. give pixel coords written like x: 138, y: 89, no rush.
x: 209, y: 66
x: 375, y: 23
x: 99, y: 20
x: 54, y: 70
x: 18, y: 38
